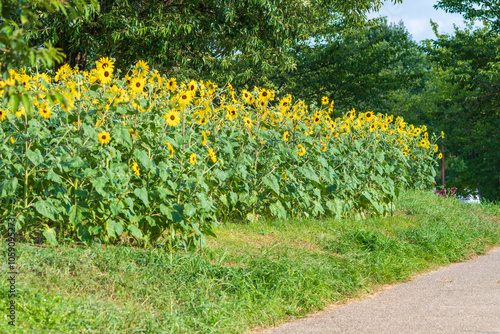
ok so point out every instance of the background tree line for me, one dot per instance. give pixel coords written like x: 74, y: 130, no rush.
x: 308, y: 48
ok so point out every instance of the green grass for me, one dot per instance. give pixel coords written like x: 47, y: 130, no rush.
x: 251, y: 276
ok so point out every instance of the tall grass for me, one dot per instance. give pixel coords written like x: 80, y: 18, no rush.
x: 252, y: 275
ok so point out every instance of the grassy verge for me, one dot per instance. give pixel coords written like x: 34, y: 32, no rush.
x: 250, y: 276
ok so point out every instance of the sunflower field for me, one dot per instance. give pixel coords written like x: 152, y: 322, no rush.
x: 92, y: 155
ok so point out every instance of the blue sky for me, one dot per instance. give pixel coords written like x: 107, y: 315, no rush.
x: 416, y: 15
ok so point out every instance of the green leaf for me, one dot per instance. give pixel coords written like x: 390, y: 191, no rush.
x: 114, y: 228
x: 116, y: 208
x: 278, y: 210
x: 272, y: 182
x: 142, y: 194
x: 204, y: 201
x: 234, y: 197
x: 8, y: 187
x: 35, y: 157
x: 189, y: 209
x: 223, y: 199
x: 123, y: 136
x: 26, y: 100
x: 50, y: 235
x: 143, y: 158
x: 76, y: 214
x: 46, y: 209
x: 51, y: 176
x: 135, y: 231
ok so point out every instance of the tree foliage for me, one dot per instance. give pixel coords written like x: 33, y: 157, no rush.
x: 19, y: 17
x: 196, y: 37
x: 357, y: 67
x: 484, y: 10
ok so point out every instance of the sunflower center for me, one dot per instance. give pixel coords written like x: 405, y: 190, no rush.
x: 172, y: 117
x: 138, y: 84
x: 106, y: 74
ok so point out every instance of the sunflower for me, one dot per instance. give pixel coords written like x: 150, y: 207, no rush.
x: 104, y: 137
x: 212, y: 155
x: 141, y: 68
x: 45, y: 111
x: 104, y: 75
x: 192, y: 158
x: 436, y: 148
x: 173, y: 118
x: 20, y: 112
x: 136, y: 169
x: 248, y: 122
x: 171, y: 149
x: 440, y: 156
x: 368, y: 116
x: 105, y: 63
x: 137, y: 84
x: 247, y: 96
x: 204, y: 138
x: 324, y: 100
x: 172, y: 84
x: 442, y: 134
x: 3, y: 114
x: 231, y: 113
x: 301, y: 150
x: 192, y: 86
x: 286, y: 136
x: 12, y: 140
x: 203, y: 121
x: 184, y: 98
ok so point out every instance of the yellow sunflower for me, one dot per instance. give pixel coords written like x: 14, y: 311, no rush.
x: 440, y: 156
x: 286, y: 136
x: 436, y: 148
x: 136, y: 169
x: 3, y: 114
x: 368, y: 116
x: 185, y: 98
x: 137, y: 84
x: 104, y: 75
x: 141, y: 68
x: 212, y: 155
x: 20, y: 112
x: 301, y: 150
x: 324, y: 100
x: 105, y: 63
x: 171, y: 149
x: 192, y: 158
x: 45, y: 111
x: 104, y: 137
x: 248, y: 122
x: 173, y: 118
x: 172, y: 83
x: 204, y: 138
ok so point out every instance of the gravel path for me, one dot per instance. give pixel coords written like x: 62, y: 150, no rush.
x: 460, y: 298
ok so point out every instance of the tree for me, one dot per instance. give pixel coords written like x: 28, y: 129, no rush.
x: 357, y: 67
x: 471, y: 64
x: 485, y: 10
x: 197, y: 38
x: 18, y: 17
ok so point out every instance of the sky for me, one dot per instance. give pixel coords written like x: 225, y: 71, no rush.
x: 416, y: 15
